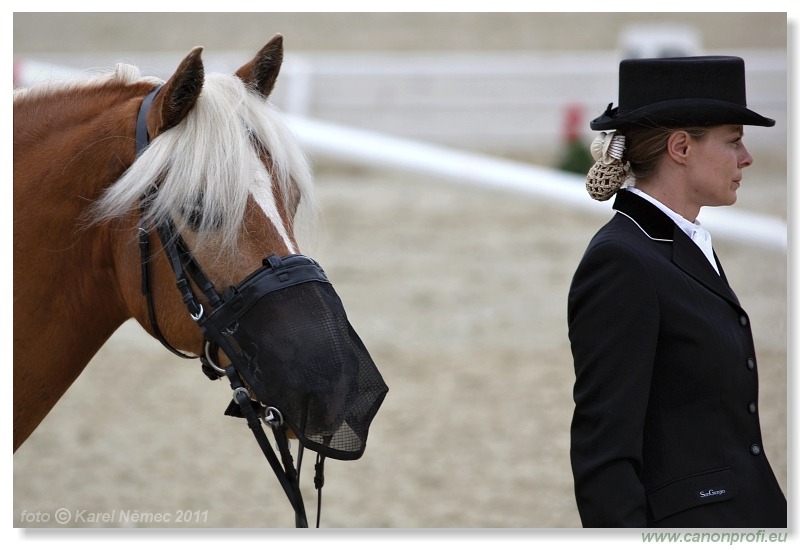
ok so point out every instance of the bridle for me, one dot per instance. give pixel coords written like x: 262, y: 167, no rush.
x: 187, y: 273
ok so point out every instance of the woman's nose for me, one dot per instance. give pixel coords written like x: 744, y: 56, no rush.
x: 745, y: 158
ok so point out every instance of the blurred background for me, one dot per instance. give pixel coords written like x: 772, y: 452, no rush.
x: 456, y: 281
x: 506, y: 83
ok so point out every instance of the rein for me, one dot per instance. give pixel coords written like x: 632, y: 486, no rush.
x: 187, y: 271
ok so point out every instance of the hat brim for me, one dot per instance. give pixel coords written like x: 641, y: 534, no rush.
x: 680, y: 113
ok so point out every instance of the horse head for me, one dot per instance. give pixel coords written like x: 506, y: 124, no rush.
x: 223, y: 183
x: 225, y: 169
x: 221, y: 164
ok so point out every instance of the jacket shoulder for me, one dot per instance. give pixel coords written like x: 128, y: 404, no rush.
x: 623, y: 236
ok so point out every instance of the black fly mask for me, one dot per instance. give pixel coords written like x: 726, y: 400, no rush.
x: 295, y: 362
x: 287, y: 332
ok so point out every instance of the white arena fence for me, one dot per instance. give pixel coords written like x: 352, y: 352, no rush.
x: 385, y: 133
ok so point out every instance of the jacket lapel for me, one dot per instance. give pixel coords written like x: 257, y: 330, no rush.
x: 691, y: 259
x: 685, y: 254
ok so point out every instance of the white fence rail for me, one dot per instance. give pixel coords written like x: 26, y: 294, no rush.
x: 363, y: 147
x: 508, y: 103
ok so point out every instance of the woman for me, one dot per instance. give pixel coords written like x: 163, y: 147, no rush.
x: 665, y: 431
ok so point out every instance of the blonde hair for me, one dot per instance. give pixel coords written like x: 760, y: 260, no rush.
x: 208, y: 165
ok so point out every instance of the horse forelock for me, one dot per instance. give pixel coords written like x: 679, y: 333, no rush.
x: 209, y: 165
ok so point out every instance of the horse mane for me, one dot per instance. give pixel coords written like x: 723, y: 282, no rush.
x: 122, y: 73
x: 208, y: 165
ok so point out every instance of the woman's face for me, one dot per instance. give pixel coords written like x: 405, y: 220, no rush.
x: 715, y: 162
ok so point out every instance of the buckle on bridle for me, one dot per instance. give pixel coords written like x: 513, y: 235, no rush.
x: 273, y: 417
x: 199, y: 315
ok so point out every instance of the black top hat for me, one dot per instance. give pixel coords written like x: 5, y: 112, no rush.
x: 678, y: 92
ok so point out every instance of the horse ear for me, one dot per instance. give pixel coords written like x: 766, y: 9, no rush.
x: 261, y: 72
x: 178, y: 95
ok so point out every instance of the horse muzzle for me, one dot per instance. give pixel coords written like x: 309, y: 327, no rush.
x: 285, y: 331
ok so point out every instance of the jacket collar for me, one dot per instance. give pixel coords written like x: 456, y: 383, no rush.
x: 685, y: 254
x: 652, y: 221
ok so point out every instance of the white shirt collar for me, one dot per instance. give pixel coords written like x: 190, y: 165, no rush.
x: 696, y: 232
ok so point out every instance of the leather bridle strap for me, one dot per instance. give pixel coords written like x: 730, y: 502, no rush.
x: 288, y: 478
x: 187, y: 270
x: 144, y: 247
x: 142, y: 140
x: 142, y: 136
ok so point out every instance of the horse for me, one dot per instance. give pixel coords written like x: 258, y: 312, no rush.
x: 107, y: 166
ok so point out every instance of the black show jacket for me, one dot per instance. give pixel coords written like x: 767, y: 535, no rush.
x: 665, y: 431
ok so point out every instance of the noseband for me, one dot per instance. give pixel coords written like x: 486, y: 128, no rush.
x: 187, y: 273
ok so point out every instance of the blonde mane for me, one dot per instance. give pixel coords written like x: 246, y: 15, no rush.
x: 121, y: 74
x: 208, y: 165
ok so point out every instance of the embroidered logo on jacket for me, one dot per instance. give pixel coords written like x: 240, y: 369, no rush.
x: 712, y: 493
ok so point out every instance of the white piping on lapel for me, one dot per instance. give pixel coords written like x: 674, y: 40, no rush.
x: 643, y: 231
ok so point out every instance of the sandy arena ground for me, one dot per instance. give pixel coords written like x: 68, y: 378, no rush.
x: 460, y: 295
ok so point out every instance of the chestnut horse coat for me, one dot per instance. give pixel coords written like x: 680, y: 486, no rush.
x: 665, y: 431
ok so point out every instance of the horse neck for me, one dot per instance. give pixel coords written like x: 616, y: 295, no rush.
x: 66, y: 303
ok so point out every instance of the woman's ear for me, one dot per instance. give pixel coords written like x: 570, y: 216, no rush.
x: 678, y: 145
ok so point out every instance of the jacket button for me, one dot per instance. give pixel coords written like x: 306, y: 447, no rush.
x: 751, y: 408
x: 755, y: 450
x: 751, y: 363
x: 743, y: 320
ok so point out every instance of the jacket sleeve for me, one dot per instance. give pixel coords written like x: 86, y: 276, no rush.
x: 613, y: 318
